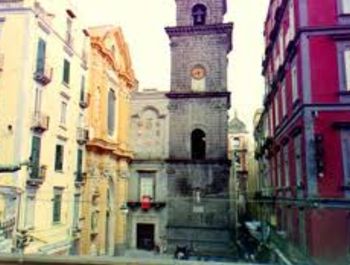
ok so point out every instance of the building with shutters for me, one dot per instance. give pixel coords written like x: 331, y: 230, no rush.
x: 306, y: 116
x: 111, y: 81
x: 43, y: 73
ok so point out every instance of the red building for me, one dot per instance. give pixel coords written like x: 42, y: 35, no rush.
x: 307, y: 112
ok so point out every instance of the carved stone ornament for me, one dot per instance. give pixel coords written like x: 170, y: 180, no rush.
x: 217, y: 105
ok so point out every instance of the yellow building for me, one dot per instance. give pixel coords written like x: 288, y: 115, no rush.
x: 111, y: 81
x: 42, y: 97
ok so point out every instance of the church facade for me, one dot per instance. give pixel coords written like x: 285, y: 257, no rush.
x: 188, y: 181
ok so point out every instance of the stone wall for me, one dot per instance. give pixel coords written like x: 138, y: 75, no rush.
x: 208, y: 50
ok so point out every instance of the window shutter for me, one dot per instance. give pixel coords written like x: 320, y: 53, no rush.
x: 57, y: 206
x: 40, y: 60
x: 79, y: 164
x: 35, y: 156
x: 59, y: 157
x: 82, y: 88
x: 66, y: 71
x: 347, y: 69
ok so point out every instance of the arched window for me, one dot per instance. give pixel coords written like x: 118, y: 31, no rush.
x: 198, y: 144
x: 199, y: 14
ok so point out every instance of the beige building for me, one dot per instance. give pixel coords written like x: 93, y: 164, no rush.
x: 42, y: 81
x: 239, y: 155
x: 111, y: 82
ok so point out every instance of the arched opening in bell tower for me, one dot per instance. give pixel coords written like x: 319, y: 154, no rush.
x: 199, y: 14
x: 198, y: 144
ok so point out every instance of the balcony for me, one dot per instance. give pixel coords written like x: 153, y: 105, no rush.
x: 77, y: 227
x: 134, y: 205
x: 80, y: 178
x: 43, y: 75
x: 40, y: 122
x: 84, y: 100
x: 82, y: 135
x: 37, y: 175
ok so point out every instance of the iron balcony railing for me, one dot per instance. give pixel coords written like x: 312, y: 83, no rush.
x: 40, y: 121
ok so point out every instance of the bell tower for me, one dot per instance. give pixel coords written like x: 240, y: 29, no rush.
x: 198, y: 167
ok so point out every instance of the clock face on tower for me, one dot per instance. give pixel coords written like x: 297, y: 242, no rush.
x: 198, y: 72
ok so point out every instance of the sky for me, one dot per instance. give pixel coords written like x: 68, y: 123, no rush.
x: 143, y: 22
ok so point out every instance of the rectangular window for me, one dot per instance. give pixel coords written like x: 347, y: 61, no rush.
x: 57, y: 205
x: 147, y: 184
x: 286, y: 165
x: 29, y: 210
x: 345, y: 6
x: 79, y: 165
x: 294, y: 73
x: 271, y: 120
x: 345, y: 134
x: 59, y: 157
x: 82, y: 89
x: 35, y: 157
x: 281, y: 46
x: 69, y: 36
x: 284, y: 98
x: 291, y: 29
x: 279, y: 169
x: 298, y: 162
x: 111, y: 112
x: 347, y: 69
x: 276, y: 110
x: 38, y: 96
x: 76, y: 210
x: 40, y: 56
x: 273, y: 171
x: 66, y: 71
x: 63, y: 116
